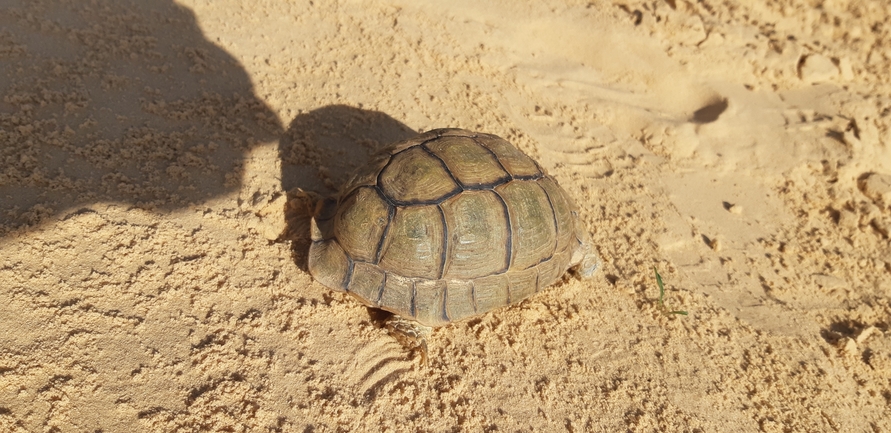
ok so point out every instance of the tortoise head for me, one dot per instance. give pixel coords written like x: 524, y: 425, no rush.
x: 321, y: 226
x: 584, y: 261
x: 328, y: 262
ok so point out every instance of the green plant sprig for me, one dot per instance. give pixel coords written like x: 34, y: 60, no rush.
x: 662, y: 306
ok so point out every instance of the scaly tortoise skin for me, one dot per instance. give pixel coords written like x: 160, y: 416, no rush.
x: 446, y: 226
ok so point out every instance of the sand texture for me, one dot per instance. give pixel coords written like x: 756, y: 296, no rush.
x: 153, y: 234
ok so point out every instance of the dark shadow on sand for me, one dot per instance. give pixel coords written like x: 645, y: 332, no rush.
x: 122, y: 101
x: 320, y: 151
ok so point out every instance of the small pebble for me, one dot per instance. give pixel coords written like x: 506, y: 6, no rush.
x: 865, y: 334
x: 882, y: 226
x: 848, y: 219
x: 817, y: 68
x: 877, y: 186
x: 847, y: 71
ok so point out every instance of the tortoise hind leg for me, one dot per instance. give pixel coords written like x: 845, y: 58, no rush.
x: 412, y: 335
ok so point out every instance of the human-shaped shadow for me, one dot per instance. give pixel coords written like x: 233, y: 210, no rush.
x: 319, y: 153
x: 122, y: 101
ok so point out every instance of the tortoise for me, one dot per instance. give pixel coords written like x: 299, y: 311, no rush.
x: 446, y: 226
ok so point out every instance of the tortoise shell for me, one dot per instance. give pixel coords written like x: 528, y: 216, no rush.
x: 445, y: 226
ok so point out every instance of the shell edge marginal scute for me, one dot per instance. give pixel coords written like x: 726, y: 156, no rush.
x: 553, y: 218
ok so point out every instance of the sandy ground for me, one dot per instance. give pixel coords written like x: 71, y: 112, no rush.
x: 152, y: 266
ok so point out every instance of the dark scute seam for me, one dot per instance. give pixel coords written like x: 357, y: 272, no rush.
x: 473, y: 297
x: 442, y: 163
x: 539, y: 262
x: 443, y: 256
x: 509, y: 174
x: 528, y: 177
x: 537, y: 279
x: 375, y: 185
x: 536, y: 176
x: 413, y: 309
x: 445, y: 297
x: 380, y: 291
x: 537, y: 166
x: 377, y: 179
x: 404, y: 203
x: 420, y: 143
x: 349, y: 276
x: 391, y: 213
x: 501, y: 180
x: 486, y: 186
x: 510, y: 233
x: 437, y: 200
x: 460, y: 187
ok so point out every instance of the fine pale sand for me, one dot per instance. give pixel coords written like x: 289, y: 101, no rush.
x: 153, y: 241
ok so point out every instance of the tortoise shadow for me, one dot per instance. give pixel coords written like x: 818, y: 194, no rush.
x: 319, y: 153
x: 118, y: 101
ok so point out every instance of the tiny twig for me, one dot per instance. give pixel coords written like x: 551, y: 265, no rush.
x: 662, y: 306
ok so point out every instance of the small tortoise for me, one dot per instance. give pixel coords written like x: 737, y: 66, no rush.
x: 446, y: 226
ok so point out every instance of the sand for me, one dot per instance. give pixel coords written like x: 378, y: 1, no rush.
x: 152, y: 244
